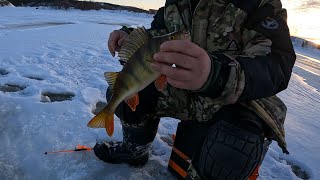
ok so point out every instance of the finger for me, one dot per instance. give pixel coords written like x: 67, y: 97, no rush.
x: 110, y: 41
x: 114, y: 36
x: 180, y: 60
x: 109, y: 46
x: 171, y: 72
x: 182, y: 46
x: 119, y: 44
x: 117, y: 47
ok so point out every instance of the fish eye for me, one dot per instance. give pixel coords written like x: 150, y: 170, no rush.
x: 171, y: 38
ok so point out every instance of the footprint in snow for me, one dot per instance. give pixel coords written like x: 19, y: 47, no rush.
x: 52, y: 97
x: 35, y: 78
x: 298, y: 170
x: 11, y: 88
x: 3, y: 72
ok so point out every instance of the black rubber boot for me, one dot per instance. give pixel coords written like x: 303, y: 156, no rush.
x: 119, y: 152
x: 134, y: 149
x: 139, y: 130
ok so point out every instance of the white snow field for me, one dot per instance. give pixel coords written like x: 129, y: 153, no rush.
x: 44, y: 52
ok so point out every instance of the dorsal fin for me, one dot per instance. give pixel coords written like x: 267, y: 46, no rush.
x: 136, y: 39
x: 111, y: 78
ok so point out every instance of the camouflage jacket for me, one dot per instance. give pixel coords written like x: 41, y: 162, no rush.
x: 251, y: 51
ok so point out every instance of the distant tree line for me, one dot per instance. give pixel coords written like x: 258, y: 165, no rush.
x: 25, y: 2
x: 83, y: 5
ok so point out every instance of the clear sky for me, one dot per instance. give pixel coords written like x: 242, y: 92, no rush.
x: 303, y: 15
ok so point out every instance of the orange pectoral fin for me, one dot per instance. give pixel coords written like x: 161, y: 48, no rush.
x: 109, y: 125
x: 133, y: 101
x: 161, y: 83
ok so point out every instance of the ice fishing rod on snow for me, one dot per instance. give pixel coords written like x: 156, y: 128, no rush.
x: 77, y: 148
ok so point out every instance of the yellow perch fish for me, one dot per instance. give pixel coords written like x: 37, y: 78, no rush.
x: 137, y: 51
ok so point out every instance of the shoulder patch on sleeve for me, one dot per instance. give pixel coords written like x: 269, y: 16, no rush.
x: 270, y: 23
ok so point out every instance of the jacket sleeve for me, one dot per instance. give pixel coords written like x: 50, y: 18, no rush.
x: 158, y: 20
x: 265, y: 67
x: 157, y: 23
x: 268, y: 75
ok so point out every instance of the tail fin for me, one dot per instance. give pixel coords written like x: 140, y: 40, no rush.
x: 104, y: 119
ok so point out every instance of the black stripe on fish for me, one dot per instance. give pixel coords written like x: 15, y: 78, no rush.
x: 123, y: 84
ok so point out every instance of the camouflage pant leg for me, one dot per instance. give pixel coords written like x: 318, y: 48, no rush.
x: 185, y: 105
x: 173, y: 103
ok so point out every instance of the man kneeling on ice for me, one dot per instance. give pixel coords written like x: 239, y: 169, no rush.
x: 222, y: 88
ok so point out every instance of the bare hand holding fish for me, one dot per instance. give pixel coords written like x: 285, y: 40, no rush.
x: 193, y: 64
x: 137, y: 51
x: 116, y: 40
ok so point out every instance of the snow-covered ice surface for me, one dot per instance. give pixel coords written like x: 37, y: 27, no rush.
x: 45, y: 52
